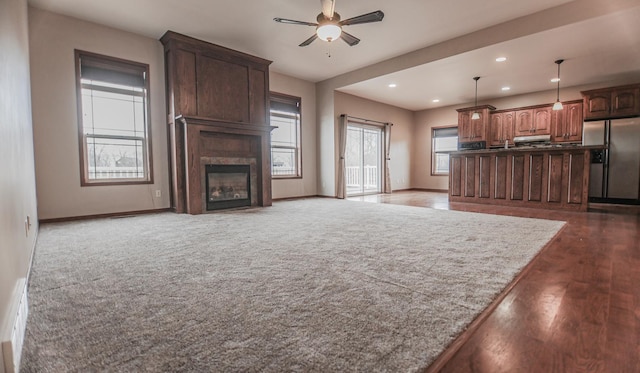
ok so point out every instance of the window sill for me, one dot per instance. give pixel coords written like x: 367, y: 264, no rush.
x: 115, y: 182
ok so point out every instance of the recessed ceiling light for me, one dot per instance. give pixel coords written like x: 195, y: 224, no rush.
x: 555, y: 80
x: 506, y: 88
x: 435, y: 100
x: 393, y: 85
x: 501, y: 59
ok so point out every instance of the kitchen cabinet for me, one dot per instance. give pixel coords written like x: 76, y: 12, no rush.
x: 612, y: 103
x: 471, y: 130
x: 501, y: 128
x: 566, y: 124
x: 533, y: 121
x: 549, y: 178
x: 524, y: 122
x: 542, y: 120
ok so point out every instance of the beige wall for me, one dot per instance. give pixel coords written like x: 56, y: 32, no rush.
x: 53, y: 38
x: 307, y: 185
x: 427, y: 119
x: 17, y: 183
x: 401, y: 134
x: 326, y: 131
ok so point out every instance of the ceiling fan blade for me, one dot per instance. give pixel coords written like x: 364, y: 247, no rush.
x: 328, y: 8
x: 294, y: 22
x: 308, y: 41
x: 376, y: 16
x: 349, y: 39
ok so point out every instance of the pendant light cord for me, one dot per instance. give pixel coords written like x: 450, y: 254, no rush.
x: 476, y: 79
x: 558, y: 90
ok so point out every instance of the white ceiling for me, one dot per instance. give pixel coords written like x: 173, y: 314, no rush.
x: 595, y: 50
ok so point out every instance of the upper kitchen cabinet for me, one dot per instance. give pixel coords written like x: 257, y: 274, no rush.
x: 566, y: 124
x: 611, y: 103
x: 533, y: 121
x: 542, y: 120
x: 501, y: 131
x: 213, y: 82
x: 473, y: 130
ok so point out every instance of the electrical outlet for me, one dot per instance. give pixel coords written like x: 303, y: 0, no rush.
x: 158, y: 193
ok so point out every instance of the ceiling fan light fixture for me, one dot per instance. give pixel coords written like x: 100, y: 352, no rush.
x: 329, y: 31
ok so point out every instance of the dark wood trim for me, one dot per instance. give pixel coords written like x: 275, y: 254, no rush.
x: 100, y: 216
x: 281, y: 96
x: 273, y: 177
x: 84, y: 177
x: 453, y: 348
x: 479, y: 107
x: 426, y: 190
x: 299, y: 197
x: 433, y: 152
x: 115, y: 182
x: 212, y: 49
x: 533, y: 107
x: 83, y: 174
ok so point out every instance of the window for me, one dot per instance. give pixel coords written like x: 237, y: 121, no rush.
x: 285, y: 140
x: 113, y: 120
x: 445, y: 140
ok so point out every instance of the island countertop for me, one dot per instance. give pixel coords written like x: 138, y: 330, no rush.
x: 549, y: 176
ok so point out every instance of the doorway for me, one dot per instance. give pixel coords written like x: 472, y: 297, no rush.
x: 363, y: 159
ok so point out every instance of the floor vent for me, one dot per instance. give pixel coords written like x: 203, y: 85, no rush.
x: 12, y: 335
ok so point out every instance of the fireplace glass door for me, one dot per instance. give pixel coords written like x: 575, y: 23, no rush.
x: 228, y: 186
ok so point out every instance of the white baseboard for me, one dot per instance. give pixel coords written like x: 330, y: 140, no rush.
x: 13, y: 330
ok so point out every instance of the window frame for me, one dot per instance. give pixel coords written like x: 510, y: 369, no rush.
x: 291, y: 100
x: 112, y: 63
x: 433, y: 151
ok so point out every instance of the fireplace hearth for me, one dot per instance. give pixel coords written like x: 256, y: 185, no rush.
x: 227, y: 186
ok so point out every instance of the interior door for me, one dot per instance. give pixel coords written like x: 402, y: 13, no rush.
x: 363, y: 159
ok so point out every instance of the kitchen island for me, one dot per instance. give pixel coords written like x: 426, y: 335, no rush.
x: 549, y: 177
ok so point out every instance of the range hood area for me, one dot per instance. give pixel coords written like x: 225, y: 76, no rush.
x: 532, y: 140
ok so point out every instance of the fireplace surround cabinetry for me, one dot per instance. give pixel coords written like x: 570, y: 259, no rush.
x: 217, y: 114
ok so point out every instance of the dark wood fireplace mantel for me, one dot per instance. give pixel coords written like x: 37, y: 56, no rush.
x: 218, y: 112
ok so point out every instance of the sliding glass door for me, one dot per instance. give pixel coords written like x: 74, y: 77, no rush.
x: 363, y: 158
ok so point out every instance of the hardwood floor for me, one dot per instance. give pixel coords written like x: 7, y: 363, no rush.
x: 575, y: 308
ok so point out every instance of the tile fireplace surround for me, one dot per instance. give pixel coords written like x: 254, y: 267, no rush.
x: 200, y: 142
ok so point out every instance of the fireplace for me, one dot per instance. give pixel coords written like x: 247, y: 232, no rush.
x: 227, y: 186
x: 199, y: 143
x: 218, y: 114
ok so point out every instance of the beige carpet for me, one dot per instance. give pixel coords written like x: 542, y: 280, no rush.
x: 309, y: 285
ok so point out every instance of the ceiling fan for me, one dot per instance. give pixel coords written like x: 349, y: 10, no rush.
x: 329, y: 25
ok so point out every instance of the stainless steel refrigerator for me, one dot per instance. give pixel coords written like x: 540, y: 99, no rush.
x: 615, y: 171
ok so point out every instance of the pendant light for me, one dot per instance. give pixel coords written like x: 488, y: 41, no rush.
x: 558, y: 104
x: 475, y: 114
